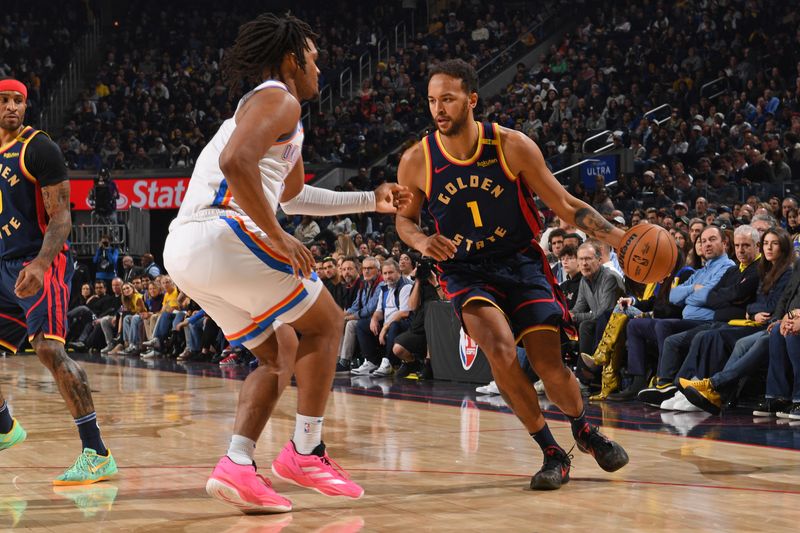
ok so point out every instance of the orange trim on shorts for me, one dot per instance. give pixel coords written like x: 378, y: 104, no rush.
x: 540, y: 327
x: 62, y: 340
x: 266, y: 314
x: 484, y: 299
x: 258, y: 242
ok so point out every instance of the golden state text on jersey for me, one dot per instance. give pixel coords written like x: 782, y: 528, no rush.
x: 478, y: 203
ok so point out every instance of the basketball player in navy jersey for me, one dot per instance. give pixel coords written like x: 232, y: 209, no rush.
x: 35, y: 275
x: 479, y: 181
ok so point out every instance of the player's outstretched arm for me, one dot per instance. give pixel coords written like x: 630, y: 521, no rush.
x: 56, y: 203
x: 411, y: 173
x: 264, y: 117
x: 525, y: 160
x: 301, y: 199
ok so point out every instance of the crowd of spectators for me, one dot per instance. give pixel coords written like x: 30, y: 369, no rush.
x: 137, y: 311
x: 35, y: 49
x: 158, y: 97
x: 715, y: 169
x: 626, y: 58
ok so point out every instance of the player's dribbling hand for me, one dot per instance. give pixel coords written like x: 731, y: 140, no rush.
x: 389, y: 197
x: 439, y: 247
x: 30, y: 280
x: 298, y: 255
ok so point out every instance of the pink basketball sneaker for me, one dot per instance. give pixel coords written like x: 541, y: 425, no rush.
x: 316, y: 471
x: 242, y: 487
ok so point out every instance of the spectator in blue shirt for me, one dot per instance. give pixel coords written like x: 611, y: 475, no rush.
x: 364, y: 305
x: 105, y: 261
x: 692, y: 294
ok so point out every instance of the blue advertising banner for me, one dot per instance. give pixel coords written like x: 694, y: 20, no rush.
x: 604, y: 165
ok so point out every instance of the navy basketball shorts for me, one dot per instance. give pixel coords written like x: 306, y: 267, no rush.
x: 45, y: 312
x: 515, y: 284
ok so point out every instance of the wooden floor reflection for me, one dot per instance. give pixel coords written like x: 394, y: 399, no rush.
x: 424, y: 467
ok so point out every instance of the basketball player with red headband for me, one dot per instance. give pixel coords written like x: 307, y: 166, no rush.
x: 35, y: 275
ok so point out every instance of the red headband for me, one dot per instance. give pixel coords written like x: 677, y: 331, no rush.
x: 14, y: 85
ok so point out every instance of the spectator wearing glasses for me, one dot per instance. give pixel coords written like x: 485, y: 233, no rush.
x: 364, y: 304
x: 391, y: 317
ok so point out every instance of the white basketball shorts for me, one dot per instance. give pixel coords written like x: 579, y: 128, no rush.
x: 224, y: 262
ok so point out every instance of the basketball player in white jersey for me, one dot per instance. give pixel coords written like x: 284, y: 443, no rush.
x: 228, y: 252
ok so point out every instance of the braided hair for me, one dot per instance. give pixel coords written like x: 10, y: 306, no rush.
x: 262, y: 44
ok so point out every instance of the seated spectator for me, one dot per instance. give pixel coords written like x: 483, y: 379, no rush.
x: 407, y: 265
x: 111, y: 322
x: 169, y: 317
x: 329, y: 275
x: 140, y: 284
x: 411, y: 347
x: 391, y: 317
x: 783, y: 375
x: 192, y: 326
x: 571, y: 272
x: 153, y: 301
x: 80, y: 317
x: 149, y: 265
x: 307, y: 231
x: 555, y: 244
x: 598, y: 292
x: 129, y: 270
x: 341, y: 225
x: 609, y: 259
x: 610, y: 352
x: 361, y: 310
x: 86, y: 295
x: 693, y: 294
x: 348, y: 287
x: 99, y: 331
x: 710, y: 350
x: 573, y: 239
x: 749, y: 354
x: 133, y: 307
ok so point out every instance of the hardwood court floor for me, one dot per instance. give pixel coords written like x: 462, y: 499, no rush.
x: 424, y: 466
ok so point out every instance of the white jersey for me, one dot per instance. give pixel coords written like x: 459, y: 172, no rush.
x: 208, y: 187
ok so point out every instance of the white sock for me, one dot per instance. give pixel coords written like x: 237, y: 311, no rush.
x: 241, y: 450
x: 307, y: 433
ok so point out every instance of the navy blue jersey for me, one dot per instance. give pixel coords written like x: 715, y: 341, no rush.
x: 478, y: 203
x: 28, y: 163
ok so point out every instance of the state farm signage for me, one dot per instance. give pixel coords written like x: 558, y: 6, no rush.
x: 144, y: 193
x: 149, y: 193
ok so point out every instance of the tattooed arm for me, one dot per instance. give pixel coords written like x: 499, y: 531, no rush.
x: 526, y: 162
x: 56, y: 203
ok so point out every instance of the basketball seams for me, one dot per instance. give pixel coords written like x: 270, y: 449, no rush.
x: 632, y: 249
x: 655, y: 254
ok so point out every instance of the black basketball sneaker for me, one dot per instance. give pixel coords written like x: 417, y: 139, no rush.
x: 608, y: 454
x: 554, y: 471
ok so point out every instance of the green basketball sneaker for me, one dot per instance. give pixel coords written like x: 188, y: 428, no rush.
x: 15, y: 436
x: 88, y: 468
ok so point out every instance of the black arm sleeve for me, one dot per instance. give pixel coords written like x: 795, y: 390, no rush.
x: 44, y: 160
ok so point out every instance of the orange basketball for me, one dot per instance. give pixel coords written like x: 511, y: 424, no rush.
x: 648, y: 253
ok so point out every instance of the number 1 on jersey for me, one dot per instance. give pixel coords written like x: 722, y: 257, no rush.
x: 476, y: 214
